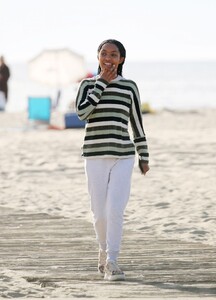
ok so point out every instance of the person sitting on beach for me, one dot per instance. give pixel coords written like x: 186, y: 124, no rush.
x: 108, y: 102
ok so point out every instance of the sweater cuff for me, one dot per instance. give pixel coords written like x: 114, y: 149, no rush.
x: 144, y: 159
x: 103, y: 83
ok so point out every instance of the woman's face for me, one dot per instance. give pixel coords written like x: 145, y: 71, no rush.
x: 109, y: 56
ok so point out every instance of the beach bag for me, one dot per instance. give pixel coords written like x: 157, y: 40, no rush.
x: 2, y: 101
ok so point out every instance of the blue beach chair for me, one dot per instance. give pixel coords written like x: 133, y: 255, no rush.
x: 39, y: 109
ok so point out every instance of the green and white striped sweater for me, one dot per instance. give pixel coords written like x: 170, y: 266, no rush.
x: 107, y: 108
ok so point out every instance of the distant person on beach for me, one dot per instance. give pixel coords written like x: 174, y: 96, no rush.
x: 4, y: 76
x: 108, y: 102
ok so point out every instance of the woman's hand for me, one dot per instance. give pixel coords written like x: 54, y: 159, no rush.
x: 144, y: 167
x: 109, y: 73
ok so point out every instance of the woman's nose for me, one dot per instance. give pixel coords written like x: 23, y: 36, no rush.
x: 108, y: 57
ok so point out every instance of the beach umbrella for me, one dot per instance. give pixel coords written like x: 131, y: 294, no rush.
x: 57, y: 67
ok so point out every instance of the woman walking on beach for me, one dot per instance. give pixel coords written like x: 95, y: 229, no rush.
x: 108, y: 102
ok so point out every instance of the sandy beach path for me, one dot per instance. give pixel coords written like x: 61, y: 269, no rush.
x: 47, y: 243
x: 55, y: 257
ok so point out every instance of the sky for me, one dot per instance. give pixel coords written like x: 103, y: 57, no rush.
x: 151, y: 30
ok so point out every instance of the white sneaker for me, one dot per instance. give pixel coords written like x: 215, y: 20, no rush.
x: 113, y: 272
x: 101, y: 261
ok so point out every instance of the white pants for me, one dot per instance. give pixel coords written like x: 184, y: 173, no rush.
x: 109, y: 181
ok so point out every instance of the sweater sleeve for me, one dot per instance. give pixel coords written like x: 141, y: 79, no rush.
x: 137, y: 125
x: 88, y: 96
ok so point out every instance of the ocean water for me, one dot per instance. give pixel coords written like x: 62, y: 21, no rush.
x: 171, y: 85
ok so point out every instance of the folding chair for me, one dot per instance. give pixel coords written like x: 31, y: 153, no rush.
x: 39, y: 109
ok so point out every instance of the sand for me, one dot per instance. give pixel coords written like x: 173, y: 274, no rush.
x: 41, y: 172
